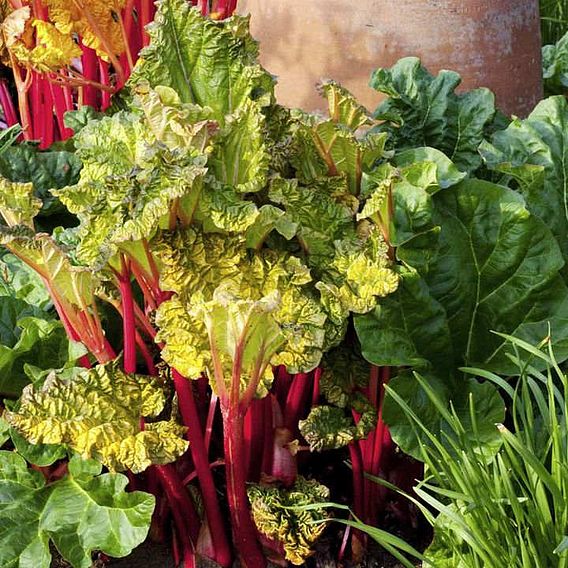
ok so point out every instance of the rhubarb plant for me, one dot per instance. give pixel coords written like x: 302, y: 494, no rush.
x: 277, y: 265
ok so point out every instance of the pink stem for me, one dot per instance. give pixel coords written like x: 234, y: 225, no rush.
x: 244, y: 530
x: 183, y: 510
x: 210, y: 420
x: 60, y: 107
x: 128, y: 319
x: 8, y: 108
x: 190, y: 416
x: 90, y: 72
x: 105, y: 80
x: 297, y: 400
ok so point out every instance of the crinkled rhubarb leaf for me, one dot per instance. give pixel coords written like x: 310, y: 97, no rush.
x: 279, y: 516
x: 18, y: 206
x: 534, y: 153
x: 269, y: 219
x: 80, y: 513
x: 318, y: 211
x: 240, y: 158
x: 206, y: 62
x: 130, y: 185
x: 98, y: 414
x: 195, y: 264
x: 335, y: 147
x: 344, y: 374
x: 359, y: 273
x: 423, y: 110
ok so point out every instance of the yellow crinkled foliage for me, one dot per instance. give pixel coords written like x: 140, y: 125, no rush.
x: 35, y: 43
x: 296, y: 529
x: 97, y: 22
x: 98, y: 414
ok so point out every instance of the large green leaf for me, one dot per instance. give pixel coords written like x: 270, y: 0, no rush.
x: 432, y: 401
x: 534, y: 153
x: 240, y: 158
x: 408, y: 328
x: 423, y: 110
x: 196, y: 264
x: 495, y: 267
x: 80, y: 513
x: 206, y: 62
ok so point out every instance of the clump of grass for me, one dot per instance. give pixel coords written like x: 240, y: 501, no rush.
x: 507, y: 509
x: 553, y: 20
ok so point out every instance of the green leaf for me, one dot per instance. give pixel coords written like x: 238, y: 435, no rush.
x: 426, y: 404
x: 534, y: 153
x: 447, y: 174
x: 37, y: 454
x: 240, y: 158
x: 562, y: 546
x: 319, y: 211
x: 38, y: 342
x: 359, y: 273
x: 4, y: 431
x: 343, y: 108
x: 221, y: 208
x: 206, y: 62
x: 46, y: 170
x: 98, y: 414
x: 18, y: 205
x: 194, y: 264
x: 555, y: 67
x: 494, y: 267
x: 269, y: 219
x: 18, y: 280
x: 244, y: 333
x: 423, y: 110
x: 407, y: 328
x: 328, y: 148
x: 76, y: 120
x: 130, y: 186
x: 344, y: 375
x: 78, y: 514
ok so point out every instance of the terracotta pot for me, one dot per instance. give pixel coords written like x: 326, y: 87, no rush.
x: 492, y: 43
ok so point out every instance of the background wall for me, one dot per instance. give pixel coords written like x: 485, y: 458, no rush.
x: 493, y: 43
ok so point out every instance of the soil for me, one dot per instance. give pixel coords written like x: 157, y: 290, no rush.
x: 151, y: 555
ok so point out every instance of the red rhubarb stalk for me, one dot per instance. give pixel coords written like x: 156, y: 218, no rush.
x: 190, y: 416
x: 183, y: 510
x: 129, y: 321
x: 7, y: 104
x: 244, y: 530
x: 90, y: 72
